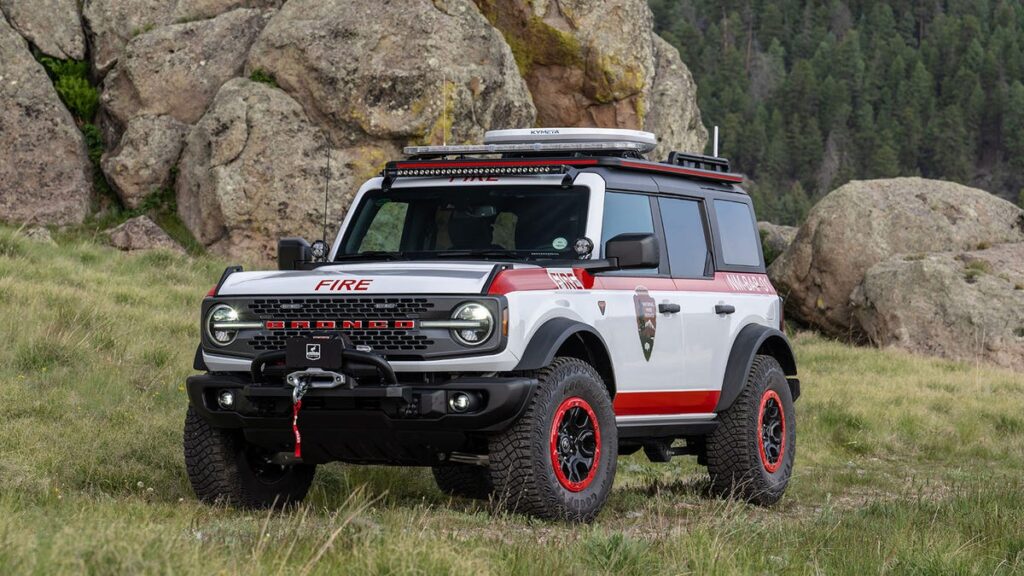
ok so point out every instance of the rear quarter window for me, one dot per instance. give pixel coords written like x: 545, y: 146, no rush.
x: 736, y: 228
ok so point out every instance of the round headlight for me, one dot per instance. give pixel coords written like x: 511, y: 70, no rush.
x: 479, y: 323
x: 218, y: 314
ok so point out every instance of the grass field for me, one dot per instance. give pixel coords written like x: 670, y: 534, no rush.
x: 904, y: 465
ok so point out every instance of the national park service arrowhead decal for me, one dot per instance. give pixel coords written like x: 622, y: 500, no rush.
x: 646, y: 320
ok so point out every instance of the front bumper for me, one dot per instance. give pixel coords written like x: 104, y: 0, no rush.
x: 400, y: 424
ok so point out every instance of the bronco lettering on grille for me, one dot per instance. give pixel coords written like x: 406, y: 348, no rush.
x: 344, y: 324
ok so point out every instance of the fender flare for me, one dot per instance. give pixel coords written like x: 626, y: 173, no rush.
x: 751, y: 340
x: 548, y: 339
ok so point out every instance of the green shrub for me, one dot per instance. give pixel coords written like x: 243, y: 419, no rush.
x: 71, y: 80
x: 263, y: 77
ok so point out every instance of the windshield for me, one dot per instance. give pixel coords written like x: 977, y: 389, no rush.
x: 503, y: 222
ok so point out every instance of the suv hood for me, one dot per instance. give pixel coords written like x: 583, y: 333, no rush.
x: 435, y: 277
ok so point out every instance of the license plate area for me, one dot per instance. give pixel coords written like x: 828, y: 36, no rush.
x: 323, y: 353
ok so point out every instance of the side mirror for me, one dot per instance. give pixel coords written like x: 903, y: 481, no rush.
x: 292, y: 253
x: 634, y: 250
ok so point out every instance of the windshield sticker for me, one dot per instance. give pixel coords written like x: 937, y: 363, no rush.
x: 646, y: 320
x: 559, y: 243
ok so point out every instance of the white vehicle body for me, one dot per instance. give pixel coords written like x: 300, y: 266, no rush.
x: 515, y: 315
x: 680, y: 379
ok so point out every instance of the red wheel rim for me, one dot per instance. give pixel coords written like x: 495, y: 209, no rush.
x: 575, y: 444
x: 771, y: 431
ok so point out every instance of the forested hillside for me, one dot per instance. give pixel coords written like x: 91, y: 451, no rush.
x: 810, y: 94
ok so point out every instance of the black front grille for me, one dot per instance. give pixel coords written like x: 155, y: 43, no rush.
x: 360, y: 307
x: 385, y: 341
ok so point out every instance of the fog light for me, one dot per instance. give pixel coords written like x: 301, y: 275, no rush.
x: 226, y: 399
x: 459, y: 402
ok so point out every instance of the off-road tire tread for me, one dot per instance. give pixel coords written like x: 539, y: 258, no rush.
x: 733, y: 460
x: 511, y: 453
x: 210, y: 461
x: 464, y: 481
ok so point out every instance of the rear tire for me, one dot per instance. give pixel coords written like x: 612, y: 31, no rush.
x: 751, y: 452
x: 223, y: 468
x: 558, y: 460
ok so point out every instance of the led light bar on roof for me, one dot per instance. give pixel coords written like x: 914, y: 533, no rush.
x: 555, y: 147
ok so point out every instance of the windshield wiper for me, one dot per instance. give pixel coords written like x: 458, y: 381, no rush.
x: 371, y: 254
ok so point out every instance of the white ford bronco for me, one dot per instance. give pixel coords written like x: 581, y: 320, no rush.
x: 515, y: 315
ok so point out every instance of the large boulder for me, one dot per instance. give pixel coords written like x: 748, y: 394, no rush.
x: 427, y: 72
x: 143, y: 160
x: 254, y: 170
x: 962, y: 306
x: 177, y: 69
x: 113, y: 23
x: 775, y: 239
x: 599, y: 63
x: 53, y: 26
x: 866, y: 222
x: 141, y: 233
x: 45, y: 173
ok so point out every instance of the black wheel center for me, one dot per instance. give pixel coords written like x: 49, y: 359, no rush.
x: 771, y: 431
x: 576, y: 444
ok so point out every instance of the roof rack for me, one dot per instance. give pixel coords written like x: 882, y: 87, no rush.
x: 547, y: 151
x: 698, y: 161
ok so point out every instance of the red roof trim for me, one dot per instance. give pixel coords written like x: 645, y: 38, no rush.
x: 706, y: 174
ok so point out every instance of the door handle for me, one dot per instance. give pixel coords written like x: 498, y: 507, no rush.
x: 669, y: 308
x: 724, y: 308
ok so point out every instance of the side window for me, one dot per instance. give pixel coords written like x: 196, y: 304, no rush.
x: 684, y: 232
x: 625, y: 213
x: 740, y: 245
x: 385, y: 232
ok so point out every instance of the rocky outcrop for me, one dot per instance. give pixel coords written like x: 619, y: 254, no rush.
x: 113, y: 23
x: 141, y: 233
x: 598, y: 63
x: 963, y: 306
x: 775, y: 239
x: 45, y: 174
x: 176, y: 70
x: 52, y: 26
x: 143, y: 161
x: 867, y: 222
x: 371, y: 75
x: 427, y: 72
x: 673, y: 113
x: 254, y: 170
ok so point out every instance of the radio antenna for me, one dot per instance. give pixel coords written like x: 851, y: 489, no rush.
x: 444, y: 109
x: 715, y: 152
x: 327, y: 182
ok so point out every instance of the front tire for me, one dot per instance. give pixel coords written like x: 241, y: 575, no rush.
x: 558, y: 460
x: 222, y: 467
x: 464, y: 481
x: 751, y: 452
